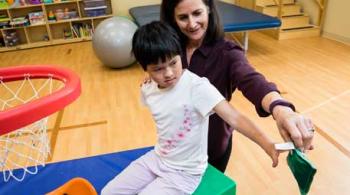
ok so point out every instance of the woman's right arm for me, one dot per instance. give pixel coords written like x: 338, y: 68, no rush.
x: 292, y: 126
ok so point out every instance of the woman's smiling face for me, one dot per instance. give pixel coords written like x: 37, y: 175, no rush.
x: 192, y: 19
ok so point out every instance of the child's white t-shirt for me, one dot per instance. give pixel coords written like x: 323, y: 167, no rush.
x: 182, y: 114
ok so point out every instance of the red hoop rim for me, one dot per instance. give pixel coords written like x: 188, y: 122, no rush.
x: 25, y: 114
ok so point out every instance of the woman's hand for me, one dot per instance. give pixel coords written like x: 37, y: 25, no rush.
x: 294, y: 127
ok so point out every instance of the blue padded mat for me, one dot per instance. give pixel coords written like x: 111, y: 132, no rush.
x: 55, y: 174
x: 234, y: 18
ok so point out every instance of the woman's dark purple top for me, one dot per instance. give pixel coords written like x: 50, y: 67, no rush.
x: 227, y: 68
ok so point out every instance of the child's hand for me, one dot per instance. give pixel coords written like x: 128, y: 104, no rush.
x: 273, y: 153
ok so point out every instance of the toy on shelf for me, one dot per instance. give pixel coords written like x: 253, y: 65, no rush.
x: 59, y: 14
x: 22, y: 2
x: 7, y: 4
x: 66, y: 14
x: 51, y: 17
x: 34, y: 2
x: 46, y: 38
x: 19, y: 22
x: 67, y: 34
x: 4, y: 21
x: 3, y: 4
x: 11, y: 38
x: 73, y: 14
x: 47, y: 1
x: 95, y: 8
x: 36, y: 18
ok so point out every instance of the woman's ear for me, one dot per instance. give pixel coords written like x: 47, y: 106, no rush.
x: 208, y: 9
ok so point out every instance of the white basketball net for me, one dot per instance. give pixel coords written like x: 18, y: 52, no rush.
x: 27, y: 146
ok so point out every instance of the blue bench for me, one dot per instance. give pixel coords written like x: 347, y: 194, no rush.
x: 98, y: 170
x: 234, y: 18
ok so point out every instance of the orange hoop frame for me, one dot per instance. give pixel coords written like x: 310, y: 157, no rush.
x: 25, y: 114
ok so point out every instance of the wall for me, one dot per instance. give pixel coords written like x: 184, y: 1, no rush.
x: 249, y: 4
x: 336, y: 24
x: 121, y: 7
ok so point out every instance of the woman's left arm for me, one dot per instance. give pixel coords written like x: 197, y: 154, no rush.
x: 291, y: 125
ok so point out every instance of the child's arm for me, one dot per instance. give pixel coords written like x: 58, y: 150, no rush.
x: 245, y: 126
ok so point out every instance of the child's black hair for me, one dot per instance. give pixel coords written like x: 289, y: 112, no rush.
x: 154, y: 42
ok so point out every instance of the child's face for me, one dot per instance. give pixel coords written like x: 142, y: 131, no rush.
x: 166, y: 74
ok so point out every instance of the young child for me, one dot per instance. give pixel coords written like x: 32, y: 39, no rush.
x: 180, y: 103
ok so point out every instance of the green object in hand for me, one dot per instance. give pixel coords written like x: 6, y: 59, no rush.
x: 302, y: 169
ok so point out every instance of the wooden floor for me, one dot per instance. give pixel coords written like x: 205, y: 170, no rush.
x: 314, y: 73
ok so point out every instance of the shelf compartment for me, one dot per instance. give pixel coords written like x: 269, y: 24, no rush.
x: 11, y: 41
x: 95, y: 11
x: 37, y: 34
x: 24, y: 12
x: 68, y: 10
x: 58, y: 30
x: 82, y: 28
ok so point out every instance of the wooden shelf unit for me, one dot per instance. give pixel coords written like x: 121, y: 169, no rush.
x: 50, y: 32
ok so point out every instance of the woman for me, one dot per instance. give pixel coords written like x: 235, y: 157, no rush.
x: 208, y: 54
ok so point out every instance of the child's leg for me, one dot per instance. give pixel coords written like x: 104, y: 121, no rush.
x: 169, y: 180
x: 132, y: 179
x: 161, y: 186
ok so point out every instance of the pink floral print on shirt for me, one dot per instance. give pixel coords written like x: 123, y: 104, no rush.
x: 180, y: 133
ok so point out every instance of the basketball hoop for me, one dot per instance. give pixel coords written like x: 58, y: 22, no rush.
x: 28, y: 95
